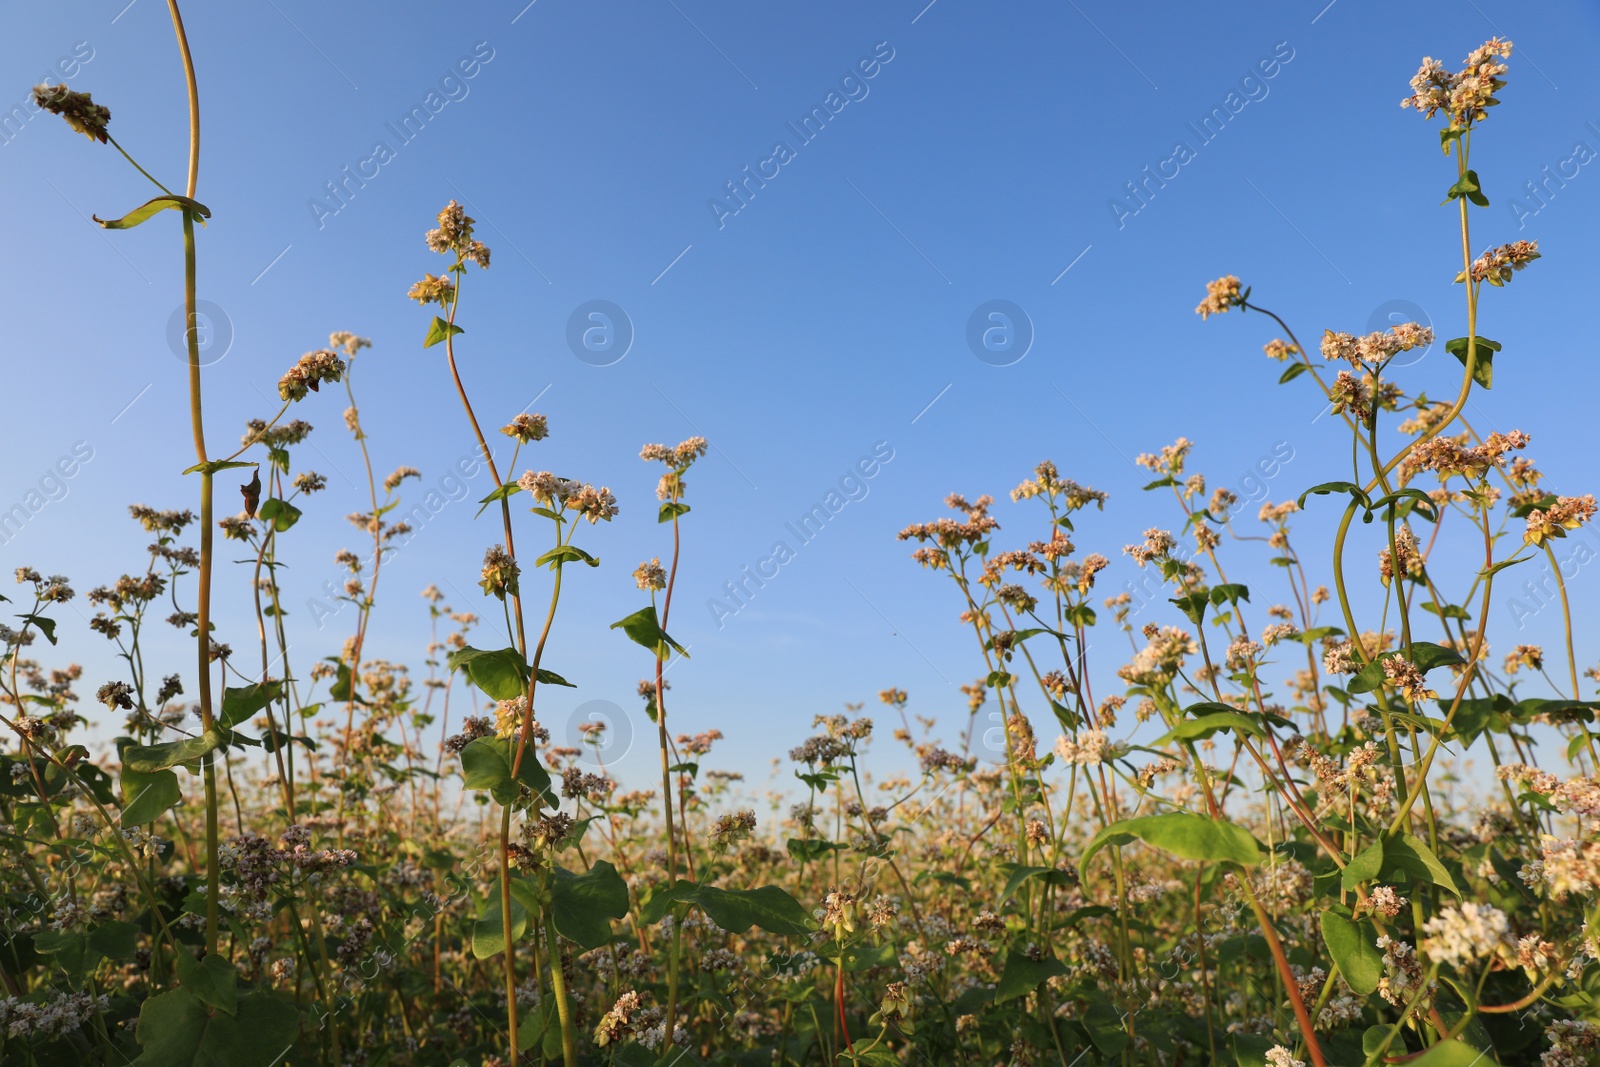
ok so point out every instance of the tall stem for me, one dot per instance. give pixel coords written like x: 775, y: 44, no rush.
x: 203, y: 609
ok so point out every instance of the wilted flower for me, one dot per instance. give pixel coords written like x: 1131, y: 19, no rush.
x: 309, y: 373
x: 80, y: 111
x: 731, y: 828
x: 500, y: 572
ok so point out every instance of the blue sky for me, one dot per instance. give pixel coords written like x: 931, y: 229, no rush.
x: 978, y: 162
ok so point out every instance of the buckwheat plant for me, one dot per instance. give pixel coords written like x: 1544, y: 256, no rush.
x: 504, y: 764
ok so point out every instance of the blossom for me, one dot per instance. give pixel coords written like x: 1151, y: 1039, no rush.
x: 348, y: 342
x: 400, y: 474
x: 1497, y: 265
x: 454, y: 234
x: 1221, y: 294
x: 547, y: 488
x: 1086, y: 750
x: 651, y: 575
x: 593, y: 504
x: 1350, y: 393
x: 432, y: 290
x: 1408, y: 678
x: 1468, y: 933
x: 1567, y: 513
x: 1466, y: 95
x: 526, y: 428
x: 1568, y: 867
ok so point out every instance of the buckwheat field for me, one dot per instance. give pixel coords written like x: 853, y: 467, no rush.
x: 1215, y: 822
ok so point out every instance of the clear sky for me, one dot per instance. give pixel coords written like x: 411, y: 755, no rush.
x: 981, y: 160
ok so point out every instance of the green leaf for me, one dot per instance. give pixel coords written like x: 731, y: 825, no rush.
x: 768, y: 906
x: 1427, y: 655
x: 215, y: 465
x: 176, y: 1030
x: 1293, y: 371
x: 808, y: 849
x: 1453, y: 1053
x: 671, y: 510
x: 488, y: 931
x: 70, y: 950
x: 1370, y: 677
x: 1021, y: 874
x: 486, y: 764
x: 500, y: 673
x: 1477, y: 714
x: 1364, y: 867
x: 150, y: 208
x: 644, y: 629
x: 212, y: 980
x: 1206, y: 725
x: 1421, y: 502
x: 1336, y: 487
x: 344, y: 683
x: 44, y: 624
x: 1483, y: 362
x: 1232, y: 592
x: 1023, y: 975
x: 147, y: 759
x: 115, y: 940
x: 439, y: 330
x: 241, y: 702
x: 504, y: 492
x: 565, y: 554
x: 1468, y: 186
x: 1250, y: 1050
x: 662, y: 898
x: 1193, y: 605
x: 146, y: 797
x: 584, y: 904
x: 1409, y: 854
x: 549, y: 677
x: 1184, y: 834
x: 1107, y: 1028
x: 1353, y: 947
x: 280, y: 513
x: 540, y: 1028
